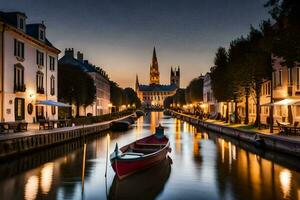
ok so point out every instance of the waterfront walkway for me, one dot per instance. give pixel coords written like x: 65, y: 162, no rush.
x: 33, y: 130
x: 245, y: 127
x: 282, y: 143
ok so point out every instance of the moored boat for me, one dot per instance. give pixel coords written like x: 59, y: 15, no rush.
x: 139, y: 155
x: 121, y: 125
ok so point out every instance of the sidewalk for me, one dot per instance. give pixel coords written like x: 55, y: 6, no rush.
x: 247, y: 128
x: 33, y: 130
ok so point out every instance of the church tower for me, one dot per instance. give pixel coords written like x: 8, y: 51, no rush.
x: 175, y: 76
x: 154, y: 73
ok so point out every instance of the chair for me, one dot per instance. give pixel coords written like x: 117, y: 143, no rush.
x: 280, y: 128
x: 295, y: 128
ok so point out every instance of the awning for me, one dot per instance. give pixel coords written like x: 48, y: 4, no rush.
x: 52, y: 103
x: 284, y: 102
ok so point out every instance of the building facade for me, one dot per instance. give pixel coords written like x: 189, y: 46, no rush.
x: 101, y: 104
x: 28, y: 69
x: 154, y: 94
x: 210, y: 104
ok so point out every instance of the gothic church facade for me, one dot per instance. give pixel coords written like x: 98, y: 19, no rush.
x: 154, y: 94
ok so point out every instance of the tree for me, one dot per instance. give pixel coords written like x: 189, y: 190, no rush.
x: 116, y: 95
x: 168, y: 101
x: 75, y: 87
x: 194, y: 91
x: 220, y: 77
x: 258, y: 64
x: 132, y: 97
x: 179, y: 97
x: 286, y: 41
x: 187, y: 94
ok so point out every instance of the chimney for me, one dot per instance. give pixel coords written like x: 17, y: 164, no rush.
x: 80, y: 56
x: 69, y: 52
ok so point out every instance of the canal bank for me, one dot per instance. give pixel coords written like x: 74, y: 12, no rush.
x: 283, y: 144
x: 13, y: 144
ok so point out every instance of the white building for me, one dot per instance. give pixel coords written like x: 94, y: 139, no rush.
x: 101, y: 81
x: 28, y: 69
x: 210, y: 104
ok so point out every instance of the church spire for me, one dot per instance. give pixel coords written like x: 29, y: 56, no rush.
x: 154, y: 72
x: 154, y: 59
x: 137, y: 84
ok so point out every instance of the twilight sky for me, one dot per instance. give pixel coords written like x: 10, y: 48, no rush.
x: 119, y: 35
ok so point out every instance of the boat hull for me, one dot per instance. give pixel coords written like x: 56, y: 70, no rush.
x: 124, y: 168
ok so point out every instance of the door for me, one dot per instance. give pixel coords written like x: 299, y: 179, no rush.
x: 19, y: 109
x: 39, y: 113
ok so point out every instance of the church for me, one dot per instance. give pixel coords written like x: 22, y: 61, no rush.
x: 154, y: 94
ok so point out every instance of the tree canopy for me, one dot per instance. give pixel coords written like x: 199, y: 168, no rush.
x: 286, y: 30
x: 75, y: 86
x: 194, y: 91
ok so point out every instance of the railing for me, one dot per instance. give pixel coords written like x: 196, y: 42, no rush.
x: 19, y: 88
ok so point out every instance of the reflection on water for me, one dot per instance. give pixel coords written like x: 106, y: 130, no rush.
x: 31, y: 188
x: 205, y: 165
x: 285, y: 181
x: 46, y: 177
x: 145, y: 185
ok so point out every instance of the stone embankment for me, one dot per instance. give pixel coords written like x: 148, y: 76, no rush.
x: 284, y: 144
x: 12, y: 144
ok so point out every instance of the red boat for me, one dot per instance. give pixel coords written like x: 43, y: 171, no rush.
x: 140, y: 154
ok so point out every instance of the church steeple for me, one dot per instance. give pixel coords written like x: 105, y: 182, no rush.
x: 154, y: 59
x: 137, y: 84
x: 154, y: 72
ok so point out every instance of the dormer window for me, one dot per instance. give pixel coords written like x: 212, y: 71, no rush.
x: 21, y: 23
x: 42, y: 34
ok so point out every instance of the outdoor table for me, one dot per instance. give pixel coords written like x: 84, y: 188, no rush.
x: 63, y: 123
x: 286, y: 127
x: 46, y: 124
x: 15, y: 126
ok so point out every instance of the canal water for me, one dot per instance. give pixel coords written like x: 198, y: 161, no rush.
x: 202, y: 165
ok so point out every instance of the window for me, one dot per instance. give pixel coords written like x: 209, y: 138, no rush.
x: 269, y: 88
x: 18, y: 49
x: 53, y: 110
x: 298, y: 78
x: 52, y: 85
x: 19, y: 109
x: 290, y: 71
x: 19, y: 78
x: 274, y: 79
x: 21, y: 23
x: 39, y: 82
x: 280, y: 78
x: 298, y: 111
x: 278, y: 110
x: 52, y: 63
x: 42, y: 35
x: 39, y: 58
x: 39, y: 113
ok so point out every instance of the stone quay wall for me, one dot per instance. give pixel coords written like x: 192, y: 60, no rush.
x: 12, y: 146
x: 283, y: 144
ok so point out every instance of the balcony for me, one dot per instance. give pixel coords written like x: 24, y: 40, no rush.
x: 19, y: 88
x: 40, y: 91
